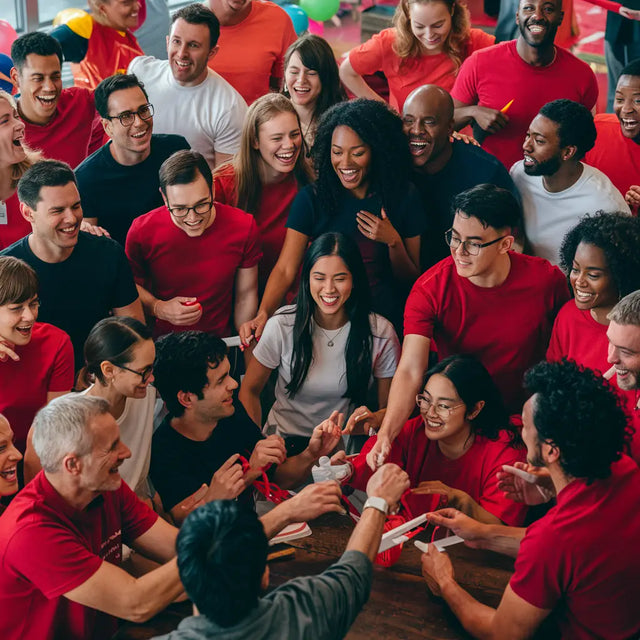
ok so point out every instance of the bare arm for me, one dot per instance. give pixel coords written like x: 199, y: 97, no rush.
x: 158, y: 542
x: 356, y: 83
x: 405, y: 258
x: 491, y: 120
x: 246, y: 295
x: 133, y: 310
x: 252, y: 385
x: 174, y: 311
x: 221, y: 158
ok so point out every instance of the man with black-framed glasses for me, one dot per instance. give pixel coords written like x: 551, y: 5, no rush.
x: 119, y: 182
x: 484, y: 300
x: 194, y: 260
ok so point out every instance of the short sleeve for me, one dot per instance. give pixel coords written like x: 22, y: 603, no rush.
x: 555, y: 350
x: 465, y: 89
x: 252, y: 249
x: 62, y: 376
x: 479, y: 39
x: 387, y: 355
x: 370, y: 56
x: 137, y: 517
x: 135, y: 254
x: 420, y: 312
x: 224, y: 186
x: 560, y: 290
x: 268, y: 351
x: 228, y: 129
x: 125, y: 292
x: 301, y: 216
x: 288, y: 38
x: 591, y: 91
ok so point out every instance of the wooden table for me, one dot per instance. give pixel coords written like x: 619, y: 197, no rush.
x: 400, y: 605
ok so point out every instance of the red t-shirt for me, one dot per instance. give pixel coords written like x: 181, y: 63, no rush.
x: 506, y: 327
x: 271, y: 216
x: 252, y: 51
x: 480, y: 82
x: 109, y: 52
x: 167, y: 262
x: 73, y: 133
x: 48, y: 548
x: 474, y: 472
x: 46, y: 364
x: 13, y: 226
x: 577, y: 336
x: 581, y: 559
x: 406, y: 74
x: 616, y: 156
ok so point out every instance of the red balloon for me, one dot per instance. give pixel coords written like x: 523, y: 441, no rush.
x: 7, y: 36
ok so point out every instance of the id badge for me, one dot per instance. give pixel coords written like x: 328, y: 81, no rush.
x: 3, y: 213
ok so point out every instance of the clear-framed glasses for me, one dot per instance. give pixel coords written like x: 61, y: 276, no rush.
x: 442, y: 409
x: 127, y: 118
x: 471, y: 247
x: 200, y: 209
x: 145, y: 374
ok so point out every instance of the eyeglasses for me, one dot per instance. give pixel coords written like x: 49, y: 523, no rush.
x: 441, y: 409
x: 468, y: 246
x: 127, y: 118
x: 200, y: 209
x: 145, y: 374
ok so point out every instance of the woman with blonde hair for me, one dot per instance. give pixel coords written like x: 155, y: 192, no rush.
x: 428, y: 42
x: 15, y: 159
x: 263, y: 178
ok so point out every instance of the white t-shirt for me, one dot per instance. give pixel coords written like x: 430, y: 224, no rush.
x: 326, y: 382
x: 136, y: 431
x: 549, y: 216
x: 209, y: 115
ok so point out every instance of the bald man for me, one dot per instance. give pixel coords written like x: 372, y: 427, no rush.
x: 443, y: 168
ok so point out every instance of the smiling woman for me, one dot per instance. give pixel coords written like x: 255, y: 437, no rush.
x: 9, y: 458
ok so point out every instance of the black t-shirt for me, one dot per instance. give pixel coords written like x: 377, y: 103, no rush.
x: 180, y: 466
x: 469, y: 166
x: 83, y: 289
x: 117, y: 194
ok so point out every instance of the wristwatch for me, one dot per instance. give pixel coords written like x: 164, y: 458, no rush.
x: 376, y: 503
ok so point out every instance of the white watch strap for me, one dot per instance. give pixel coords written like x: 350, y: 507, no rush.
x: 378, y: 503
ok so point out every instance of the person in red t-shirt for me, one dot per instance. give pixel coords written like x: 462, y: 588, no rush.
x: 484, y: 300
x: 264, y: 176
x: 532, y: 72
x: 427, y: 44
x: 62, y: 123
x: 455, y: 447
x: 617, y: 149
x: 600, y: 256
x: 9, y: 458
x: 568, y: 565
x: 195, y: 261
x: 36, y: 359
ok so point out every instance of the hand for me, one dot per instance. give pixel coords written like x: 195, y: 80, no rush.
x: 491, y: 120
x: 470, y: 530
x: 519, y: 490
x: 379, y: 453
x: 252, y: 329
x: 195, y: 500
x: 632, y: 14
x: 361, y: 421
x: 94, y: 229
x: 326, y: 435
x: 177, y: 312
x: 314, y: 500
x: 633, y: 195
x: 463, y: 137
x: 378, y: 229
x: 388, y: 482
x: 270, y: 450
x: 227, y: 482
x: 6, y: 351
x: 455, y: 497
x: 436, y: 569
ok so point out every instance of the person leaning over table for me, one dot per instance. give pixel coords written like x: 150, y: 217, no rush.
x: 222, y: 553
x: 579, y: 562
x: 61, y: 537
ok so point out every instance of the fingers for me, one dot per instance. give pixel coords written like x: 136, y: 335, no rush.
x: 7, y: 352
x: 444, y: 516
x: 361, y: 413
x: 230, y: 462
x: 339, y: 458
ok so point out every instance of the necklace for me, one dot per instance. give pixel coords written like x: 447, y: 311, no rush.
x: 331, y: 342
x: 305, y: 138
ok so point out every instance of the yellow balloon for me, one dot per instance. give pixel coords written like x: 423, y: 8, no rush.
x: 77, y: 20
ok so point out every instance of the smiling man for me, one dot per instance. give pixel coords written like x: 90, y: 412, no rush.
x: 62, y: 123
x: 443, y: 167
x: 532, y: 72
x: 83, y: 278
x: 557, y: 189
x: 195, y: 261
x: 190, y: 99
x: 484, y: 300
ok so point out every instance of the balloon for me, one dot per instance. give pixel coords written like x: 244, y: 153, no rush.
x: 6, y: 84
x: 298, y: 17
x: 79, y: 21
x: 320, y: 10
x: 7, y: 36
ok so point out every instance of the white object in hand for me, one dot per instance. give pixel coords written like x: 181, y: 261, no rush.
x: 324, y: 470
x: 440, y: 545
x: 525, y: 475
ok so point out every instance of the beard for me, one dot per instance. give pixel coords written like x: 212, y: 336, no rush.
x: 545, y: 168
x: 536, y: 459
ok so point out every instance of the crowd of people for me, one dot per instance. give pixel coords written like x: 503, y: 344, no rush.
x: 220, y: 266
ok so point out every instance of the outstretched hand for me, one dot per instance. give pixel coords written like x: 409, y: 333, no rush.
x: 521, y: 490
x: 326, y: 435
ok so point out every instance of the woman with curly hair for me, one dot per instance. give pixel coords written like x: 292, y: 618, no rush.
x: 455, y: 447
x: 15, y: 159
x: 264, y: 176
x: 311, y: 81
x: 362, y: 190
x: 600, y: 256
x: 428, y: 42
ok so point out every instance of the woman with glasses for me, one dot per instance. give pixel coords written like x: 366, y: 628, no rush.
x: 455, y: 447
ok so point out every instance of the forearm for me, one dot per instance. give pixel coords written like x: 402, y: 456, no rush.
x: 148, y: 300
x: 474, y: 616
x: 277, y: 519
x: 295, y: 470
x: 404, y: 387
x: 465, y: 503
x: 245, y: 308
x: 356, y: 83
x: 366, y: 536
x: 462, y: 116
x: 279, y: 283
x: 251, y: 402
x: 503, y: 539
x: 402, y: 265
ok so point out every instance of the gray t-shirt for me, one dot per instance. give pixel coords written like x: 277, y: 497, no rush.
x: 321, y: 607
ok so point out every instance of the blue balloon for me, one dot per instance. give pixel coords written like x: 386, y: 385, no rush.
x: 298, y: 17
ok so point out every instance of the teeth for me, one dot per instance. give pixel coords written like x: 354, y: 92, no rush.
x: 183, y: 64
x: 285, y: 156
x: 302, y: 89
x: 536, y: 29
x: 329, y: 299
x: 142, y: 134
